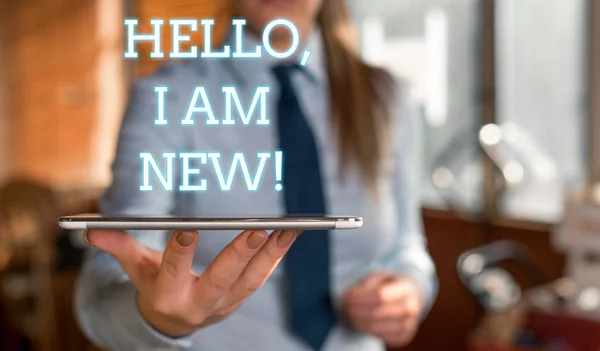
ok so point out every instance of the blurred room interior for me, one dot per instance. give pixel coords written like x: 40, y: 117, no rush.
x: 509, y: 99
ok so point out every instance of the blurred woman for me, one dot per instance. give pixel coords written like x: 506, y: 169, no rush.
x: 350, y: 146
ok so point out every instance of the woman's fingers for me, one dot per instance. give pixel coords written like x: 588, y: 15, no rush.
x: 178, y: 300
x: 387, y: 292
x: 396, y: 333
x: 118, y: 243
x: 369, y: 313
x: 261, y: 266
x: 131, y: 255
x: 174, y: 275
x: 224, y: 271
x: 368, y: 285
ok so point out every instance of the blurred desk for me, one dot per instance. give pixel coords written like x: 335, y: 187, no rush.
x: 549, y: 319
x: 456, y: 313
x: 574, y: 318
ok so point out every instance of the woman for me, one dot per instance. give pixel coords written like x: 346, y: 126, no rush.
x: 335, y: 119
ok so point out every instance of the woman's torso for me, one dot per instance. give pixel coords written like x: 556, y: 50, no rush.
x: 260, y: 323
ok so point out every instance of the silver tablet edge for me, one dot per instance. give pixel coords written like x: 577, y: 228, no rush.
x: 275, y: 225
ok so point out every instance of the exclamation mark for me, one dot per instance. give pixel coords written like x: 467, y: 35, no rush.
x: 278, y: 164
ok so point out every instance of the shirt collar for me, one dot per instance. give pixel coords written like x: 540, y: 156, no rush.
x: 247, y: 68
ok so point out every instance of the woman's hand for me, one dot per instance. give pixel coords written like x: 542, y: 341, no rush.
x: 176, y: 301
x: 386, y: 306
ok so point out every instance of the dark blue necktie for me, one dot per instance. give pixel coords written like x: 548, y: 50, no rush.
x: 307, y: 262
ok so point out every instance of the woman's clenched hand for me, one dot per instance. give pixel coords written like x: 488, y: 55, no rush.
x: 387, y: 306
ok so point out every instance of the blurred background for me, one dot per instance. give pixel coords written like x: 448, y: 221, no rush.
x: 508, y: 93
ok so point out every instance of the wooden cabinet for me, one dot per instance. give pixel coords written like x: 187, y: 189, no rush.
x: 62, y: 98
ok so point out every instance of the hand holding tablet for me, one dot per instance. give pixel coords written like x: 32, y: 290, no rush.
x: 160, y: 278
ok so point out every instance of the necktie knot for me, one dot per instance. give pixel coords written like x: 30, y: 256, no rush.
x: 283, y: 72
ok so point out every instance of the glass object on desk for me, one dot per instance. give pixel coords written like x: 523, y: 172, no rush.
x: 529, y: 174
x: 457, y: 174
x: 523, y: 170
x: 540, y: 62
x: 432, y: 44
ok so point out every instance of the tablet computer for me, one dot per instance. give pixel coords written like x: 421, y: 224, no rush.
x: 96, y: 221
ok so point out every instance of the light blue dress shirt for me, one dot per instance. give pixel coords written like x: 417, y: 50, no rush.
x: 391, y: 238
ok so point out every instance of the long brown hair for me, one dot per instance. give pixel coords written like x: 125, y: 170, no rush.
x: 361, y: 95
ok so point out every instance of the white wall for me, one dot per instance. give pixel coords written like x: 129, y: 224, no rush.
x: 541, y: 75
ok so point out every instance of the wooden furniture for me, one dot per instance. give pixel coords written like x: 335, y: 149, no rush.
x: 28, y: 212
x: 63, y: 87
x: 145, y: 10
x: 36, y: 294
x: 456, y: 313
